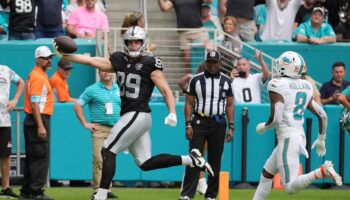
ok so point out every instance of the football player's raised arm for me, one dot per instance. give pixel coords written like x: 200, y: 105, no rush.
x: 276, y: 110
x: 161, y: 83
x: 317, y: 110
x: 100, y: 63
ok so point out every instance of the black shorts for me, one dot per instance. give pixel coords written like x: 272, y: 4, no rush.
x: 5, y: 141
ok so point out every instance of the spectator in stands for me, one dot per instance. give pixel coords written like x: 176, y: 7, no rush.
x: 7, y: 76
x: 343, y: 29
x: 316, y: 31
x: 246, y: 86
x: 4, y: 24
x: 188, y: 15
x: 232, y: 42
x: 49, y: 19
x: 243, y: 11
x: 74, y: 4
x: 58, y: 82
x: 280, y: 19
x: 38, y: 106
x: 331, y: 89
x: 136, y: 19
x: 211, y: 22
x: 22, y: 19
x: 85, y: 21
x: 336, y: 10
x: 260, y: 15
x: 304, y: 13
x: 103, y: 101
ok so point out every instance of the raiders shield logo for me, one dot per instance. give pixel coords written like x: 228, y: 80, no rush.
x: 138, y: 66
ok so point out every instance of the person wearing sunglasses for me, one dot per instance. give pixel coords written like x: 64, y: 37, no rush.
x: 38, y: 107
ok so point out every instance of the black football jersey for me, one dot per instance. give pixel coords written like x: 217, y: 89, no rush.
x: 134, y: 80
x: 22, y: 15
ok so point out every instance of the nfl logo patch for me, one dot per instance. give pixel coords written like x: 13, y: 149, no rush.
x: 138, y: 66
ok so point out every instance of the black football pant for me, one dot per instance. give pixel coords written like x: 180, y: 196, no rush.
x: 213, y: 131
x: 37, y: 156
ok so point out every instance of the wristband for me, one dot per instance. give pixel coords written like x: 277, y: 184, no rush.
x: 189, y: 126
x: 189, y: 121
x: 231, y: 124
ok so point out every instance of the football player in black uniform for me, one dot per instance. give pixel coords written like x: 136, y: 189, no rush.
x: 137, y: 74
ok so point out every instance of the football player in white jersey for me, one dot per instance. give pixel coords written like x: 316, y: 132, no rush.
x: 289, y: 97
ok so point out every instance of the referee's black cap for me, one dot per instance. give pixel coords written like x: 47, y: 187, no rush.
x: 213, y: 55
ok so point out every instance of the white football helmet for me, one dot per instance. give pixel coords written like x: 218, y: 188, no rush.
x: 135, y: 33
x: 290, y: 64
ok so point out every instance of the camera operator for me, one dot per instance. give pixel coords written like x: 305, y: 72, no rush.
x: 246, y: 86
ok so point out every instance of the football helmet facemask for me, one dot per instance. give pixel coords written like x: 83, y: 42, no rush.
x: 290, y: 64
x: 135, y: 33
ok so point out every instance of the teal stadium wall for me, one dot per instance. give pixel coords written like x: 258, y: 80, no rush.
x: 19, y: 56
x: 71, y: 147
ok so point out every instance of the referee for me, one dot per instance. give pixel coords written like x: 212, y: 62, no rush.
x: 209, y: 98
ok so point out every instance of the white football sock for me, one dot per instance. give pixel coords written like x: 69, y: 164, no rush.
x: 101, y: 194
x: 264, y: 188
x: 186, y: 160
x: 303, y: 181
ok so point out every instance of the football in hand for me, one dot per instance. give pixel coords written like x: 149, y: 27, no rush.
x: 65, y: 44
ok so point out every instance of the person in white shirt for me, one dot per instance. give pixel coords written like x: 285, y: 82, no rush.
x: 280, y: 19
x: 246, y: 86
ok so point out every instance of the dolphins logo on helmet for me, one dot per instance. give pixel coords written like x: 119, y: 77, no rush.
x: 290, y: 64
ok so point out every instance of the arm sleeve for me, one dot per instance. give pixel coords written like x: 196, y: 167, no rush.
x: 14, y: 77
x: 104, y: 25
x: 35, y: 90
x: 73, y: 18
x: 320, y: 112
x: 84, y: 98
x: 302, y: 29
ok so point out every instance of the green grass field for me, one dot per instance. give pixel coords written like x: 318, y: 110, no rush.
x: 66, y: 193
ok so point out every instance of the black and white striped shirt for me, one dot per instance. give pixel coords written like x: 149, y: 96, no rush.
x: 211, y: 92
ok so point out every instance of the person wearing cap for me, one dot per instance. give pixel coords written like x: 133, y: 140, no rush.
x: 38, y: 107
x: 208, y: 113
x: 211, y: 22
x: 316, y: 31
x: 58, y: 81
x: 246, y: 86
x: 7, y: 76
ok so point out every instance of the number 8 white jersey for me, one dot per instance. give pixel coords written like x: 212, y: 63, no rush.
x: 297, y: 94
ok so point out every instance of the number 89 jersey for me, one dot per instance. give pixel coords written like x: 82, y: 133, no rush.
x: 297, y: 94
x: 134, y: 80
